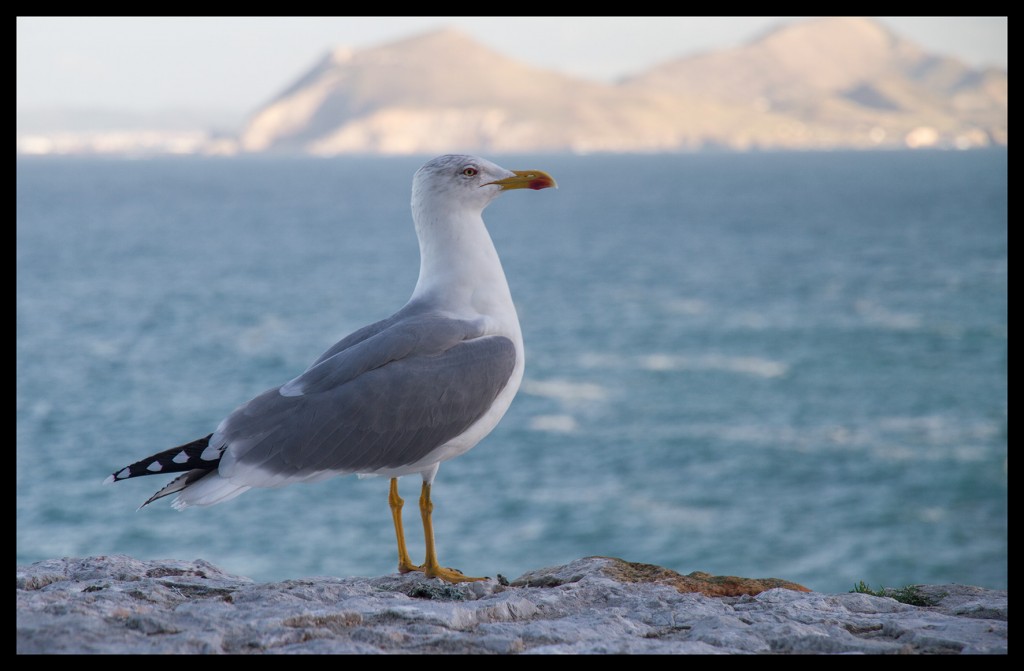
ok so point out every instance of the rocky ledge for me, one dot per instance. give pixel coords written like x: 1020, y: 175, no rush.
x: 118, y: 604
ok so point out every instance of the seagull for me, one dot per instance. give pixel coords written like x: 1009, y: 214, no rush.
x: 394, y: 398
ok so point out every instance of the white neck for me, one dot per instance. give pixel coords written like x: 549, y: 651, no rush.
x: 459, y: 266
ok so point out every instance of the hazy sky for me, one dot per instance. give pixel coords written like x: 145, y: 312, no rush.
x: 233, y: 65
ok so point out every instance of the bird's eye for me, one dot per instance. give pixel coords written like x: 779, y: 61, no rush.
x: 470, y: 172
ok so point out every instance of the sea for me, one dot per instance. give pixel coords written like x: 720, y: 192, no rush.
x: 787, y: 365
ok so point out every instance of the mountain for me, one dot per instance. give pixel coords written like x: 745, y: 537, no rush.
x: 445, y: 92
x: 383, y: 99
x: 846, y: 81
x: 826, y: 83
x: 789, y: 64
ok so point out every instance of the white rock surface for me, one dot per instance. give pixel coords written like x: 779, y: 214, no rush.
x: 117, y: 604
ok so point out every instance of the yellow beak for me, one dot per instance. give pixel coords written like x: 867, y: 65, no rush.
x: 526, y: 179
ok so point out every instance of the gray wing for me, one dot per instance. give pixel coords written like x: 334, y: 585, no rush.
x: 385, y: 401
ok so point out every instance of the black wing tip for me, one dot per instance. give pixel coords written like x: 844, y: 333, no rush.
x: 175, y: 460
x: 119, y: 475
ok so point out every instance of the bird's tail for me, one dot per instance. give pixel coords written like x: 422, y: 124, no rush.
x: 187, y: 458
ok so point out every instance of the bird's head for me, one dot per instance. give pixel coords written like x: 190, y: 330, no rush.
x: 471, y: 180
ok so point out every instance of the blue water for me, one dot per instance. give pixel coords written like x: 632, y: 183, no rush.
x: 788, y: 365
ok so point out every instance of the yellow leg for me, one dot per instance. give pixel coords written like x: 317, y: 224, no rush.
x: 405, y: 564
x: 430, y: 566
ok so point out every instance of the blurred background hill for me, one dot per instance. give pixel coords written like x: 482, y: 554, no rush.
x: 828, y: 83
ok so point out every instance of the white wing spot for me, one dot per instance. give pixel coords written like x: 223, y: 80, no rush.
x: 125, y: 472
x: 155, y: 466
x: 180, y: 457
